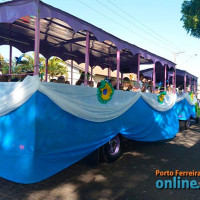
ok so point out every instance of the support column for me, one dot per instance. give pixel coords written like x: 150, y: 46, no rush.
x: 138, y: 72
x: 72, y: 64
x: 91, y: 73
x: 196, y: 86
x: 87, y: 56
x: 165, y: 87
x: 154, y: 76
x: 10, y: 60
x: 190, y: 83
x: 174, y: 80
x: 72, y: 70
x: 46, y: 68
x: 168, y: 77
x: 185, y: 79
x: 109, y: 73
x: 118, y: 68
x: 37, y: 41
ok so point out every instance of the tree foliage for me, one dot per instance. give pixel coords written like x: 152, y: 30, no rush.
x: 191, y: 17
x: 56, y: 66
x: 4, y: 65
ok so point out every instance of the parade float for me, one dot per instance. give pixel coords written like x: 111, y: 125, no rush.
x: 46, y: 127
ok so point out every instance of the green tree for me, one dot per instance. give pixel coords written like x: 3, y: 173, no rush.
x: 56, y: 66
x: 191, y: 17
x: 4, y: 65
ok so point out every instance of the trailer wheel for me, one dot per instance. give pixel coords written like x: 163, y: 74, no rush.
x: 197, y: 120
x: 112, y: 149
x: 187, y: 124
x: 181, y: 125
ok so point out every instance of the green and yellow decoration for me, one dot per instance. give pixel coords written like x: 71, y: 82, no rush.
x: 191, y: 96
x: 161, y: 97
x: 105, y: 92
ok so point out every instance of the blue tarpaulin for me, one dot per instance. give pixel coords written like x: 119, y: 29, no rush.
x: 39, y: 139
x: 185, y: 110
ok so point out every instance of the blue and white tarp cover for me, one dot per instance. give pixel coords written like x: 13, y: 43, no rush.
x: 46, y: 127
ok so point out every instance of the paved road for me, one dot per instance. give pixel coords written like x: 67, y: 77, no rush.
x: 131, y: 177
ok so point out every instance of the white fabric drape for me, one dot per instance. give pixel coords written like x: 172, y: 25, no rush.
x: 80, y: 101
x: 187, y: 97
x: 13, y: 95
x: 180, y: 97
x: 152, y: 100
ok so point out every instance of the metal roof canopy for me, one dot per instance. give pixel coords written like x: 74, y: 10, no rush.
x: 179, y: 74
x: 64, y: 35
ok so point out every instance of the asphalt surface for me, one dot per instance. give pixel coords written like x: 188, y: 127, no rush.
x: 131, y: 177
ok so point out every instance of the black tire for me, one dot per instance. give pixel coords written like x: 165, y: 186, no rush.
x: 112, y: 149
x: 187, y: 124
x: 181, y: 125
x: 197, y: 120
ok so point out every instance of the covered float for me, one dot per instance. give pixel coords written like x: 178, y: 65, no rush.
x: 186, y: 85
x: 46, y: 127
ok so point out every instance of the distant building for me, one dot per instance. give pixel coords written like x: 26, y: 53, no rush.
x: 98, y: 73
x: 77, y: 70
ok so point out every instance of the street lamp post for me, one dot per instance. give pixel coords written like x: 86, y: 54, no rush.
x: 189, y: 58
x: 176, y: 54
x: 174, y: 74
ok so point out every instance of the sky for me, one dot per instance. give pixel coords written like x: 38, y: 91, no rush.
x: 152, y: 25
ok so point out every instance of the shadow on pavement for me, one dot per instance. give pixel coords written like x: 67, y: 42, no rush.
x: 131, y: 177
